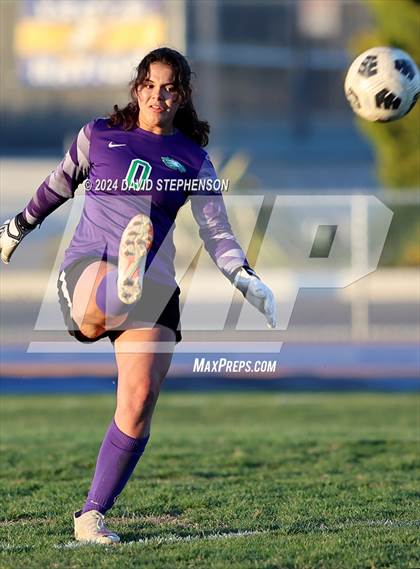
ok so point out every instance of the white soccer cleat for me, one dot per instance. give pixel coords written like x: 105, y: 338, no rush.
x: 90, y: 528
x: 135, y: 243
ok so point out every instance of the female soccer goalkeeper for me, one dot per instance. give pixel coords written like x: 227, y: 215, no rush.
x: 117, y: 276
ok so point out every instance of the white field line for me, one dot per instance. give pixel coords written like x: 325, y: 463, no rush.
x: 173, y: 538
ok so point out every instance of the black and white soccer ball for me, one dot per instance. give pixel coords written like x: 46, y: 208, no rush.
x: 382, y: 84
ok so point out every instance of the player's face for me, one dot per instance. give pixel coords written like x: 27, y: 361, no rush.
x: 158, y: 100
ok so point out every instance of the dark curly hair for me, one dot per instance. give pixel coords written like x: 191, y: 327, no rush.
x: 186, y: 119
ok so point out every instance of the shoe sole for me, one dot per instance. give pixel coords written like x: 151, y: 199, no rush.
x: 135, y: 244
x: 104, y: 540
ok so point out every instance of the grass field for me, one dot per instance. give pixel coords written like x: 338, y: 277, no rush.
x: 231, y: 481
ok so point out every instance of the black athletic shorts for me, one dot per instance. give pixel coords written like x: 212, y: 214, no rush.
x: 144, y: 311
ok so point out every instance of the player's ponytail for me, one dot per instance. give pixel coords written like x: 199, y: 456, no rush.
x: 186, y: 119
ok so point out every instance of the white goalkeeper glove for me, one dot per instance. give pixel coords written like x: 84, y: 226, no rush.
x: 12, y: 231
x: 258, y: 294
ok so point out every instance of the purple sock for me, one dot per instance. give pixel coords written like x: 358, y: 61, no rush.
x: 107, y: 296
x: 117, y: 459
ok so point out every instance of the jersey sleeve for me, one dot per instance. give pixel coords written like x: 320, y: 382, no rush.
x: 61, y: 184
x: 209, y: 211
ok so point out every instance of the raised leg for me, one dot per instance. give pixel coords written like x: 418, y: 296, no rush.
x: 91, y: 320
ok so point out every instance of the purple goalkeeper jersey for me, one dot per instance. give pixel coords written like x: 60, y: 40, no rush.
x: 131, y: 172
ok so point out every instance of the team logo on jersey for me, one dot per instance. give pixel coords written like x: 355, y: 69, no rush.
x: 115, y: 145
x: 173, y: 164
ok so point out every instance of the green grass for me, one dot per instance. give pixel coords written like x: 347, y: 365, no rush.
x: 324, y: 481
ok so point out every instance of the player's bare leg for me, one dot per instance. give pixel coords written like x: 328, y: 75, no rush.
x: 104, y: 294
x: 90, y: 319
x: 140, y: 375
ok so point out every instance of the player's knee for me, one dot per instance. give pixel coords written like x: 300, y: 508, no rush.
x: 144, y: 400
x: 91, y: 331
x: 140, y: 400
x: 147, y: 404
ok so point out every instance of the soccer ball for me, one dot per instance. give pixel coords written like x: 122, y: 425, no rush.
x: 382, y: 84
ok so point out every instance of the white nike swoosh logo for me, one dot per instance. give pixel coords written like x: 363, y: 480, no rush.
x: 113, y: 145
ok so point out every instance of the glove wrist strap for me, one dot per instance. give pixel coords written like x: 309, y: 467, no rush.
x: 21, y: 222
x: 247, y: 269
